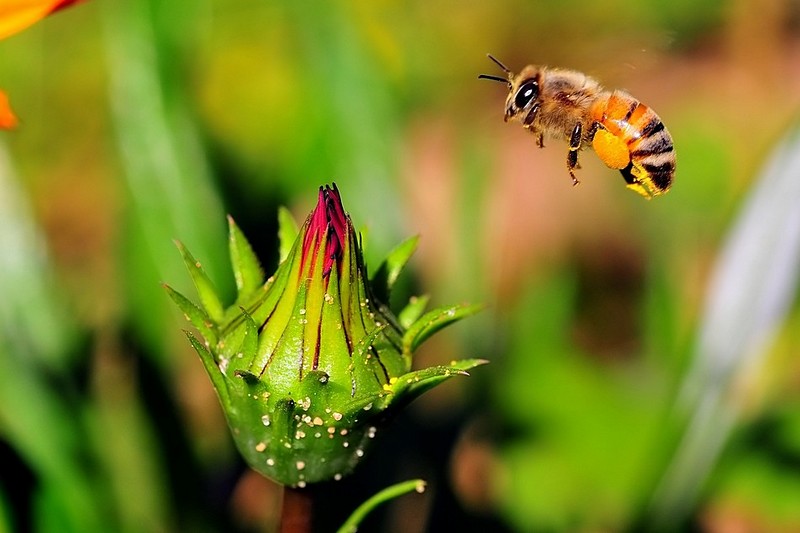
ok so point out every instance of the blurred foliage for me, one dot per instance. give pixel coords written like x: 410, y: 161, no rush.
x: 146, y: 121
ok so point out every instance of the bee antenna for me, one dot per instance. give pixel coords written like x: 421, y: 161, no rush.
x: 499, y: 64
x: 494, y: 78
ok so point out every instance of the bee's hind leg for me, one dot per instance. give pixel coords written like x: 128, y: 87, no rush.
x: 572, y: 155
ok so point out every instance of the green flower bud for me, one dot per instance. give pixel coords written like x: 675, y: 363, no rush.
x: 310, y: 364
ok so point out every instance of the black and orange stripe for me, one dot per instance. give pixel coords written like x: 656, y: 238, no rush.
x: 652, y: 166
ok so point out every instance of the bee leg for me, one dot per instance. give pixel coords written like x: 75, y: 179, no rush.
x: 593, y: 130
x: 528, y: 123
x: 531, y: 116
x: 572, y: 155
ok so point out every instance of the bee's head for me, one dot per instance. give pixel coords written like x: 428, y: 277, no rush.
x: 523, y: 88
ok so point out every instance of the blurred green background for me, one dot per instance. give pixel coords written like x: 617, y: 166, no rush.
x: 644, y: 355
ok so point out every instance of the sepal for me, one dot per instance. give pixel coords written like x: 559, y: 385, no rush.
x: 205, y: 287
x: 388, y: 271
x: 196, y: 316
x: 433, y: 321
x: 247, y: 270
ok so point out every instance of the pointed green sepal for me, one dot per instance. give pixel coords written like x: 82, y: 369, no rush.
x: 214, y: 372
x: 360, y: 350
x: 362, y: 368
x: 250, y: 341
x: 205, y: 288
x: 388, y: 271
x: 287, y: 232
x: 413, y: 310
x: 247, y: 269
x: 411, y: 385
x: 315, y: 385
x: 433, y: 321
x: 196, y: 316
x: 242, y: 342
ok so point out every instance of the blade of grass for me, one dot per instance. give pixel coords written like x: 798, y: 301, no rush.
x: 37, y: 340
x: 31, y: 319
x: 752, y: 287
x: 171, y: 191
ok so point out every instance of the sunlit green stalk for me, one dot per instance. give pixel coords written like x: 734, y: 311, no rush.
x: 389, y: 493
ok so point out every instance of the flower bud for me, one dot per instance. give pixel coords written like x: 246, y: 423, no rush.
x: 311, y: 364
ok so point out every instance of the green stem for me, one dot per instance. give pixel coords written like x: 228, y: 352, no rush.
x: 351, y: 525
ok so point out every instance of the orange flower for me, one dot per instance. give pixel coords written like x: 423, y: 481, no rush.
x: 7, y: 118
x: 16, y: 15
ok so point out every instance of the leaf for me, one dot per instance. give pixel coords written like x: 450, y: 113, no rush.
x: 246, y: 267
x: 433, y: 321
x: 287, y: 232
x: 389, y: 493
x: 388, y: 271
x: 411, y: 312
x: 196, y: 316
x: 203, y: 284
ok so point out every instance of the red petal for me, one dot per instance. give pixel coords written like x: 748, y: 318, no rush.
x: 328, y: 221
x: 64, y: 3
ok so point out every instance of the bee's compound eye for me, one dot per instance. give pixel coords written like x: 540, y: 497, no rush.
x: 527, y: 92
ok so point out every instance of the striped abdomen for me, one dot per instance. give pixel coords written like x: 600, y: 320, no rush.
x: 651, y: 158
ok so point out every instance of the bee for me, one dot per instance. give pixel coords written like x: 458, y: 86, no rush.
x: 566, y: 104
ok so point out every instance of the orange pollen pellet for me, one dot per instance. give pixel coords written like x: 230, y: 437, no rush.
x: 612, y: 150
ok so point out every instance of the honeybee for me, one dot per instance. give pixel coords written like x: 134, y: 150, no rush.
x: 566, y: 104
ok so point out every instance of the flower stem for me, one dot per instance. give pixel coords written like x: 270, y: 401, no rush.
x: 296, y: 514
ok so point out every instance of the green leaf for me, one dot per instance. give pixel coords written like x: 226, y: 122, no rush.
x: 433, y: 321
x: 389, y: 493
x: 205, y: 288
x: 246, y: 266
x: 411, y: 312
x: 287, y: 232
x: 196, y: 316
x: 386, y: 275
